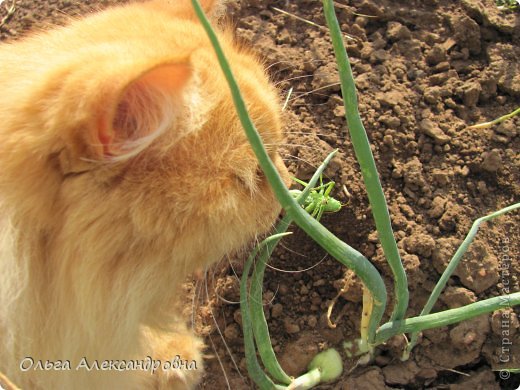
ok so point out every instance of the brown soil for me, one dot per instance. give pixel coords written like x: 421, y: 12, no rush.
x: 425, y: 70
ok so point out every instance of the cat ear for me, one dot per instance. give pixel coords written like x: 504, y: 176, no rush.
x: 210, y: 6
x: 144, y: 109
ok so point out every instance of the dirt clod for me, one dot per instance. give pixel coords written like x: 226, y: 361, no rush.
x: 371, y: 379
x: 297, y: 355
x: 491, y: 161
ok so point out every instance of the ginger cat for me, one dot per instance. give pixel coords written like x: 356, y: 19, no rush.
x: 123, y: 168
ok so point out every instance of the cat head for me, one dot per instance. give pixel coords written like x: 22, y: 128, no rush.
x: 119, y: 128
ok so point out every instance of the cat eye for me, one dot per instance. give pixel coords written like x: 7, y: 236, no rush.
x: 250, y: 179
x: 242, y: 181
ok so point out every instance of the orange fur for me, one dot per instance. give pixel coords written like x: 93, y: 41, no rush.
x: 123, y: 169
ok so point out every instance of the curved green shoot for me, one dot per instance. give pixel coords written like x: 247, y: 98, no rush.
x: 495, y: 121
x: 447, y: 317
x: 259, y: 322
x: 342, y: 252
x: 366, y: 161
x: 452, y: 265
x: 253, y: 367
x: 326, y: 366
x: 260, y: 328
x: 308, y: 380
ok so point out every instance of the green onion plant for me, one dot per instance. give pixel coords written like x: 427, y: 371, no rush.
x: 327, y: 365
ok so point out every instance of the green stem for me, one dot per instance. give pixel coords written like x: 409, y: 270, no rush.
x: 366, y: 161
x: 308, y: 380
x: 447, y: 317
x: 452, y: 265
x: 494, y: 122
x: 253, y: 367
x: 345, y: 254
x: 259, y: 323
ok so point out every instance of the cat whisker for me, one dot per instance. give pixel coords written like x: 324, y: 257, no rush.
x: 219, y: 362
x: 222, y: 336
x: 200, y: 291
x: 308, y: 105
x: 300, y: 159
x: 306, y: 133
x: 297, y: 146
x: 289, y: 132
x: 291, y: 64
x: 290, y: 68
x: 278, y: 63
x: 235, y: 274
x: 293, y: 78
x: 221, y: 298
x: 274, y: 74
x: 194, y: 301
x: 286, y: 102
x: 293, y: 251
x: 314, y: 91
x: 298, y: 271
x: 274, y: 296
x: 232, y: 268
